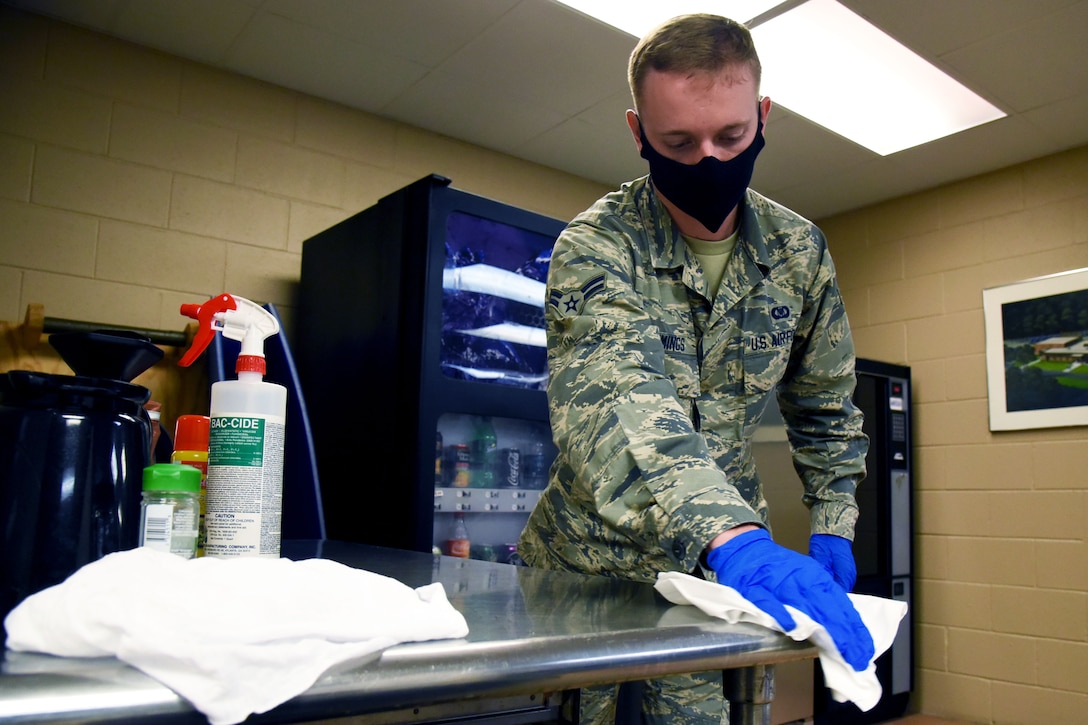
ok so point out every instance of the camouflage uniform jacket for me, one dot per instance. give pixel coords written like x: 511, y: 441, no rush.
x: 655, y: 390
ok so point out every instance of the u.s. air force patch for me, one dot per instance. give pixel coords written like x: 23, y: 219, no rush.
x: 571, y: 303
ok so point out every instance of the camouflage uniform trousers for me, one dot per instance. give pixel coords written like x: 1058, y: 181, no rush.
x: 691, y: 699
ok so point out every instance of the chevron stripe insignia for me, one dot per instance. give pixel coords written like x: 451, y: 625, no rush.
x: 571, y: 303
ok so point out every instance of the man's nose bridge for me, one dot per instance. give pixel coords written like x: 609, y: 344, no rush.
x: 707, y: 147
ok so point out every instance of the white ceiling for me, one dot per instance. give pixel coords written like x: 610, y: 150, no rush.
x: 536, y: 80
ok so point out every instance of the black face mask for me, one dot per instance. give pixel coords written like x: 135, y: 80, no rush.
x: 708, y: 190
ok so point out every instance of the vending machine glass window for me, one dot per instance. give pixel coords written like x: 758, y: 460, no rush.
x: 493, y: 302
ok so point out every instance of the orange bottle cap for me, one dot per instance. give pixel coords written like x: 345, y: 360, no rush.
x: 191, y: 433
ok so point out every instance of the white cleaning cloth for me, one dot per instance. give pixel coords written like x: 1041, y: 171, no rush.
x: 232, y: 636
x: 881, y: 616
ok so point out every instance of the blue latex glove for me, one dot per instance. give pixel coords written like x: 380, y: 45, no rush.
x: 770, y: 576
x: 837, y: 556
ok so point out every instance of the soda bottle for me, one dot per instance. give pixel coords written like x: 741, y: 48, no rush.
x: 484, y: 454
x: 536, y: 466
x: 458, y: 544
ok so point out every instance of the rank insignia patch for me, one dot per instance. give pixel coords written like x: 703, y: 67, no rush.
x: 571, y: 303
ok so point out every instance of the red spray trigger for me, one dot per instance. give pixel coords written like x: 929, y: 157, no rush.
x: 205, y: 315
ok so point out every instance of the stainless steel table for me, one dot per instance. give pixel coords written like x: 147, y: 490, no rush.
x: 533, y: 636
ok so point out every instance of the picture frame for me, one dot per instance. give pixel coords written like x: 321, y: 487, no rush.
x: 1037, y: 351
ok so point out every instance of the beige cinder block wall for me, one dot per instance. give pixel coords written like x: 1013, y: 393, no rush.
x: 1001, y: 518
x: 132, y: 181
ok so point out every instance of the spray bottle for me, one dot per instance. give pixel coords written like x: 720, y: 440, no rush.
x: 246, y: 440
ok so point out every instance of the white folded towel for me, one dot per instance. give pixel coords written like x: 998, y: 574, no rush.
x: 231, y: 636
x: 881, y: 616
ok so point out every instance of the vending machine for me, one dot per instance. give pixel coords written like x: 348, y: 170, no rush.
x: 420, y: 346
x: 882, y: 546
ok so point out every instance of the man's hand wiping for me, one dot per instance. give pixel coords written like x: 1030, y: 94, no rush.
x: 771, y: 576
x: 837, y: 556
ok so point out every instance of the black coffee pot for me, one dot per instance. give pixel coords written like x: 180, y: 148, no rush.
x: 72, y: 453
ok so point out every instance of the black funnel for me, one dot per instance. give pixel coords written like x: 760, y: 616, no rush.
x: 111, y: 354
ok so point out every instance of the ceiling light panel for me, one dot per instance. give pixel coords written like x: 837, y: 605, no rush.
x: 831, y: 66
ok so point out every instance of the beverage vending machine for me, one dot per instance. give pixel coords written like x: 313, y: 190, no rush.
x: 882, y: 545
x: 420, y: 346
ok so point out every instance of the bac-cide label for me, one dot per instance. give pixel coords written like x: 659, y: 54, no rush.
x: 236, y: 441
x: 244, y: 492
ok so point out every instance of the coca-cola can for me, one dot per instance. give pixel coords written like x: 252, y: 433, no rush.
x: 510, y: 468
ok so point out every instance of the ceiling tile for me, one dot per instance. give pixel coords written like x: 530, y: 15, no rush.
x: 825, y: 194
x: 456, y: 106
x: 610, y: 112
x: 1061, y: 123
x: 597, y: 142
x: 548, y: 53
x: 1025, y: 67
x: 319, y: 63
x: 935, y: 27
x: 794, y: 142
x: 603, y: 157
x: 98, y: 15
x: 989, y: 147
x: 199, y: 29
x: 423, y: 31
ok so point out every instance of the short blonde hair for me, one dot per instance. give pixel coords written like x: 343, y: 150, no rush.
x: 692, y: 43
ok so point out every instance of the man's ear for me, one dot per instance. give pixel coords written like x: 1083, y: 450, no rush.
x: 764, y: 111
x: 635, y: 126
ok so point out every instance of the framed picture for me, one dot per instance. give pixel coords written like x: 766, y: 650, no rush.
x: 1037, y: 352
